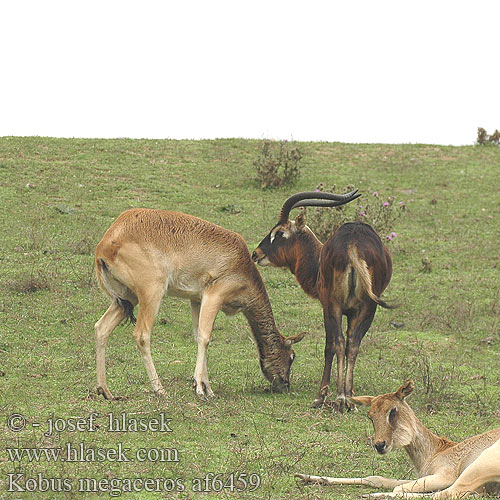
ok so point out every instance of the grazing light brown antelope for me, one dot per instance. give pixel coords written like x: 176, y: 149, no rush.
x: 146, y: 253
x: 439, y: 462
x: 347, y: 274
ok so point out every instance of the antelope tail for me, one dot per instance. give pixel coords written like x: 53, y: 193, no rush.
x: 364, y: 274
x: 115, y: 289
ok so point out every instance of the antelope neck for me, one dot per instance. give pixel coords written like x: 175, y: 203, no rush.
x: 261, y: 320
x: 424, y: 446
x: 305, y: 266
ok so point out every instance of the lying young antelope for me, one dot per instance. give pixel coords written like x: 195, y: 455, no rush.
x: 146, y: 254
x: 439, y: 462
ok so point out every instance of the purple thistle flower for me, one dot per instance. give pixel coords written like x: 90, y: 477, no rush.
x: 385, y: 204
x: 375, y: 193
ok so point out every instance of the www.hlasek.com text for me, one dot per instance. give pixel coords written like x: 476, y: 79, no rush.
x: 82, y: 453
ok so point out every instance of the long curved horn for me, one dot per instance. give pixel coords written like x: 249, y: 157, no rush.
x: 315, y: 199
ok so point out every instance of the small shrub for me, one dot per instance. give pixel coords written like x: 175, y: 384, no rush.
x: 380, y: 213
x: 84, y: 246
x: 32, y: 282
x: 278, y: 164
x: 232, y: 209
x: 87, y: 278
x: 495, y: 137
x: 482, y: 136
x: 325, y: 221
x: 426, y: 265
x: 484, y: 139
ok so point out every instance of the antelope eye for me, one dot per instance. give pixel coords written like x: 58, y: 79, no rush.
x: 278, y: 234
x: 392, y: 414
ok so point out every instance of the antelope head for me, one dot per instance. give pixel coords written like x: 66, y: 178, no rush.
x: 393, y: 420
x: 276, y: 247
x: 277, y: 363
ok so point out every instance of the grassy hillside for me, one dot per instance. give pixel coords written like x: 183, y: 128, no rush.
x: 58, y: 196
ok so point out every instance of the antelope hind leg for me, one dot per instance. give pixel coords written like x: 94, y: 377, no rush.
x: 103, y: 328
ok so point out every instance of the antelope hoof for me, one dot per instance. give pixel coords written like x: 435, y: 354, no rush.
x: 341, y: 404
x: 349, y: 405
x: 204, y: 391
x: 161, y: 393
x: 318, y: 402
x: 305, y: 478
x: 106, y: 393
x: 208, y: 390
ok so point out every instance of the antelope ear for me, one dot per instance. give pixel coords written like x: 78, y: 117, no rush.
x: 300, y: 222
x: 362, y: 400
x: 293, y: 339
x: 405, y: 390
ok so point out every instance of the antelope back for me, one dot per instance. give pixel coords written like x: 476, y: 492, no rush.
x: 172, y: 240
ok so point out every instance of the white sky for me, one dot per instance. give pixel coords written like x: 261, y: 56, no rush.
x: 424, y: 71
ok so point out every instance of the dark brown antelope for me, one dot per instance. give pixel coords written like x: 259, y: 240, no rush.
x: 147, y: 253
x: 461, y: 468
x: 347, y: 274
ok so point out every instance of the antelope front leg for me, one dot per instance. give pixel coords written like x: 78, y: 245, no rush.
x: 372, y: 481
x: 210, y: 306
x: 423, y: 486
x: 391, y: 494
x: 149, y: 304
x: 195, y: 313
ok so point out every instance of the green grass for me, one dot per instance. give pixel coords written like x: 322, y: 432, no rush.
x: 58, y: 197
